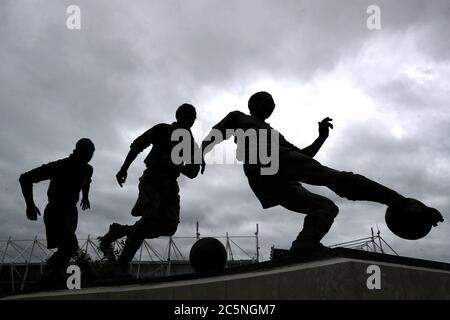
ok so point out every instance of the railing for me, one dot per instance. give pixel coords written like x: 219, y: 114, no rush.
x: 17, y: 257
x: 374, y: 243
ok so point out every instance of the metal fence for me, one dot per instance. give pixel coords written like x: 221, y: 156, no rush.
x: 22, y: 261
x: 374, y: 243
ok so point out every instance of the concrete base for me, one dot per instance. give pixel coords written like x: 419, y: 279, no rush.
x: 341, y: 274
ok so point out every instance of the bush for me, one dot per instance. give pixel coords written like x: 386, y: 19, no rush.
x: 94, y: 270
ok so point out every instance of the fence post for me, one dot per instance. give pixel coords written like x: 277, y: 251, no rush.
x: 257, y: 242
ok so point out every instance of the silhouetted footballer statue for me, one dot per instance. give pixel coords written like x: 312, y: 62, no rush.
x: 295, y: 166
x: 67, y: 177
x: 158, y: 203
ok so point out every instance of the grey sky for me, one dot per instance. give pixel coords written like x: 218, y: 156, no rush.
x: 133, y: 63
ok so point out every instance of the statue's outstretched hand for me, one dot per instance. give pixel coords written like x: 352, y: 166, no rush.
x: 324, y: 127
x: 121, y: 177
x: 33, y: 212
x: 85, y: 204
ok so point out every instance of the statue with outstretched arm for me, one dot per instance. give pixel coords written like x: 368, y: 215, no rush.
x: 294, y: 167
x: 68, y: 177
x: 158, y: 202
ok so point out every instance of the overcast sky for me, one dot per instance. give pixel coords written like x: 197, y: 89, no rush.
x: 133, y: 63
